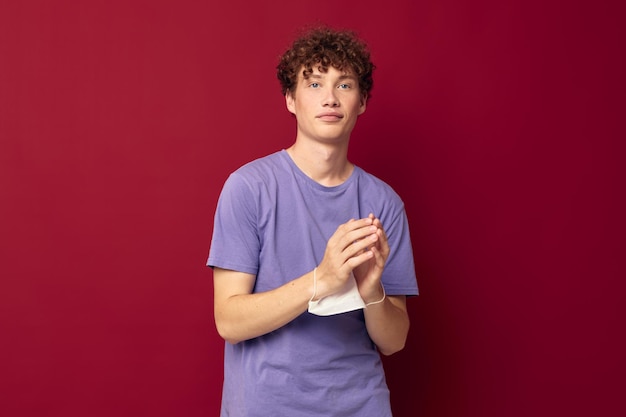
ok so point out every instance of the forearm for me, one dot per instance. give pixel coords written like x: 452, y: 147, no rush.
x: 241, y: 316
x: 388, y: 324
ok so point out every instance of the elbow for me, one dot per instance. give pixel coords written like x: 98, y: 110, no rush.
x: 226, y: 333
x: 396, y: 343
x: 390, y: 350
x: 229, y: 339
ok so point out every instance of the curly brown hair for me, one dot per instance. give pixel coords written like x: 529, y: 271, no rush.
x: 326, y: 47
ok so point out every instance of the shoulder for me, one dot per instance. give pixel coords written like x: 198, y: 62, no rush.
x: 373, y: 185
x: 379, y: 198
x: 261, y: 170
x: 262, y: 164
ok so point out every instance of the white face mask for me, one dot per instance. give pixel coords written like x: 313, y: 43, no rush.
x: 346, y: 299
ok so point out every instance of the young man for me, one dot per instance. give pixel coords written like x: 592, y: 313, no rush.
x: 311, y: 255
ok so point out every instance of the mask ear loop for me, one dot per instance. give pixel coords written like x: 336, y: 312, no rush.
x: 314, y: 285
x: 379, y: 301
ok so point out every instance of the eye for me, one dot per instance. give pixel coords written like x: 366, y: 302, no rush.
x: 344, y: 86
x: 314, y: 85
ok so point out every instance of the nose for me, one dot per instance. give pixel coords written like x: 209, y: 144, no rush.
x: 330, y: 98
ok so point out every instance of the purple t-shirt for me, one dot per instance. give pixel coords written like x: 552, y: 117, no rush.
x: 274, y: 222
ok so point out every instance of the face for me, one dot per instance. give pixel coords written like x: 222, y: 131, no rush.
x: 326, y: 105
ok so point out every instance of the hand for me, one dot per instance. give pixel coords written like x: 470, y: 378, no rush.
x: 346, y: 249
x: 369, y: 273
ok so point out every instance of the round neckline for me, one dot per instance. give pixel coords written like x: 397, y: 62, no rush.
x: 314, y: 184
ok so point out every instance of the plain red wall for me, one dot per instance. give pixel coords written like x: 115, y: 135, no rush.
x: 499, y: 122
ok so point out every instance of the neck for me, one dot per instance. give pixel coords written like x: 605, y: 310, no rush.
x: 327, y: 165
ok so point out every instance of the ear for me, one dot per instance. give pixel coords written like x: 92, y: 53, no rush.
x: 290, y: 101
x: 363, y: 103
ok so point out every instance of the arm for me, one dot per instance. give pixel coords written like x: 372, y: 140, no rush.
x: 241, y: 314
x: 387, y: 322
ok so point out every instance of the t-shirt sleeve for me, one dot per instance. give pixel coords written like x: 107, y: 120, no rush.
x: 235, y: 244
x: 399, y: 275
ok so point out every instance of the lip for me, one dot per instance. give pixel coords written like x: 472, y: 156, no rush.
x: 330, y: 116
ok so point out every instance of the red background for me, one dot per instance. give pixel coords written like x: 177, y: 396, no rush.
x: 500, y: 123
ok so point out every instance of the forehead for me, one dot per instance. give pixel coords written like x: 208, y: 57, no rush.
x: 317, y: 71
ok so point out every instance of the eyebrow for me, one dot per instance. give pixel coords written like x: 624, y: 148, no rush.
x: 341, y: 78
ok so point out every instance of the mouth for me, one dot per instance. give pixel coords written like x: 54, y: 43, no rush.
x: 330, y: 116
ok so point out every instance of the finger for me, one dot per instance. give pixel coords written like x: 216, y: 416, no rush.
x: 346, y: 228
x: 358, y: 234
x: 356, y: 224
x: 382, y: 235
x: 359, y: 246
x: 351, y: 238
x: 382, y: 244
x: 378, y: 257
x: 376, y: 222
x: 346, y: 236
x: 358, y: 259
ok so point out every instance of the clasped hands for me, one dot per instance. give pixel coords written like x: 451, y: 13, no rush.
x: 359, y: 247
